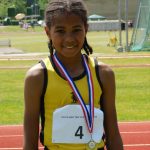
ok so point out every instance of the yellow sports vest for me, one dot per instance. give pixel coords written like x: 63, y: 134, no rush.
x: 57, y: 93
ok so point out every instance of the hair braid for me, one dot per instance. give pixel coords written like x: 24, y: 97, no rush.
x: 88, y: 49
x: 50, y: 46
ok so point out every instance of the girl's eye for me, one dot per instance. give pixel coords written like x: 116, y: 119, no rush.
x: 60, y: 31
x: 77, y: 30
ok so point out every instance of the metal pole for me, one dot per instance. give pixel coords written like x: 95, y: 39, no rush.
x: 35, y: 6
x: 120, y: 48
x: 126, y: 24
x: 119, y: 18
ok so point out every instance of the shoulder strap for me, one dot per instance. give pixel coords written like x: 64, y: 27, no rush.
x: 99, y: 80
x: 45, y: 78
x: 42, y: 109
x: 101, y: 98
x: 97, y: 72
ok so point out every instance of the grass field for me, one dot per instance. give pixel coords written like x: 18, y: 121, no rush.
x: 36, y: 41
x: 132, y: 84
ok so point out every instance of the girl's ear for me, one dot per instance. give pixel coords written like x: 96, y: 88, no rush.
x: 47, y: 32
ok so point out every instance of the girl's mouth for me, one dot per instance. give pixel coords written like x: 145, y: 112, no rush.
x: 69, y: 47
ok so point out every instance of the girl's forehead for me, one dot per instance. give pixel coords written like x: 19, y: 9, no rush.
x: 67, y: 18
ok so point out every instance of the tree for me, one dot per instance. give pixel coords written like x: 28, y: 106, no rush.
x: 29, y: 2
x: 42, y: 3
x: 3, y: 8
x: 19, y: 5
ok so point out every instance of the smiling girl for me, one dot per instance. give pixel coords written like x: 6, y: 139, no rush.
x: 72, y: 92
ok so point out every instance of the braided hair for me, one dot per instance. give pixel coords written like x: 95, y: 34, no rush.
x: 56, y: 7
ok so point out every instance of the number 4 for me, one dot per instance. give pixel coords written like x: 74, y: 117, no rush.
x: 79, y: 132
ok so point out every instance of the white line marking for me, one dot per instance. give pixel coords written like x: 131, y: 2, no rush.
x: 135, y: 132
x: 10, y: 148
x: 134, y: 145
x: 3, y: 126
x: 126, y: 145
x: 121, y: 122
x: 20, y: 148
x: 130, y: 122
x: 123, y: 132
x: 9, y: 136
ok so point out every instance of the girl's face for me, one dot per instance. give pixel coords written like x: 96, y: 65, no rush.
x: 67, y: 33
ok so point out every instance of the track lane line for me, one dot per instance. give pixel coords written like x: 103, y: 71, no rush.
x: 135, y: 145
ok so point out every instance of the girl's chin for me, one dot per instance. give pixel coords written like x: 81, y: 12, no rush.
x: 69, y: 53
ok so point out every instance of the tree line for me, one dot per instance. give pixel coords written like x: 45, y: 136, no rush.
x: 19, y: 5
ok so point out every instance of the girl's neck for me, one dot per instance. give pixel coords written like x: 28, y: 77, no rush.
x: 74, y: 65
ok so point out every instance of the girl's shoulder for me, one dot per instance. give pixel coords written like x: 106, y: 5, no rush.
x: 35, y: 70
x: 106, y: 73
x: 104, y: 67
x: 34, y: 81
x: 35, y: 73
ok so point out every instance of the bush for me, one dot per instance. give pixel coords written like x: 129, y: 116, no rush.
x: 14, y: 22
x: 7, y: 21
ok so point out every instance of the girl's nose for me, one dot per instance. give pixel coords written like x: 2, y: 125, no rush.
x: 69, y: 37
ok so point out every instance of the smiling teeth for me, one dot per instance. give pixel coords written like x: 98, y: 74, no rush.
x: 69, y: 46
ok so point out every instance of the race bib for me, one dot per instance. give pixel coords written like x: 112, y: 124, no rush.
x: 69, y: 125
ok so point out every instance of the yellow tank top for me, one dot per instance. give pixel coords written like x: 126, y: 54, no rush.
x: 57, y: 93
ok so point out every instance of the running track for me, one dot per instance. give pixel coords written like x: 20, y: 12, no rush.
x: 135, y: 135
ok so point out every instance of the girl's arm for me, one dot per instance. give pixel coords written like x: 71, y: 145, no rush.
x: 113, y: 138
x: 32, y: 92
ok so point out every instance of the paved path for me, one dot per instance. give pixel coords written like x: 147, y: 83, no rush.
x: 9, y: 50
x: 12, y: 53
x: 39, y: 56
x: 23, y: 56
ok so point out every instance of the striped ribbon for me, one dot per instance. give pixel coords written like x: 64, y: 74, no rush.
x: 87, y: 111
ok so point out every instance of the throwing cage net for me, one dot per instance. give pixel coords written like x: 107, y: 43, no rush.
x: 141, y: 34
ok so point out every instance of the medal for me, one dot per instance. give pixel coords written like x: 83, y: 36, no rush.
x: 87, y: 111
x: 91, y: 144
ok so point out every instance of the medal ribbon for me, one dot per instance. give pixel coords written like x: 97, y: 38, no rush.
x: 88, y: 112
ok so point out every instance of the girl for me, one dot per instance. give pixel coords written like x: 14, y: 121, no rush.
x: 68, y: 88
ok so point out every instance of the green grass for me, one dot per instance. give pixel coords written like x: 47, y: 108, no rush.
x: 109, y: 61
x: 132, y: 84
x: 133, y: 93
x: 125, y: 61
x: 17, y: 63
x: 132, y: 96
x: 36, y: 41
x: 12, y: 29
x: 11, y: 96
x: 27, y: 41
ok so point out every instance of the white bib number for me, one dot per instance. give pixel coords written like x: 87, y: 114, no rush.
x: 69, y: 125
